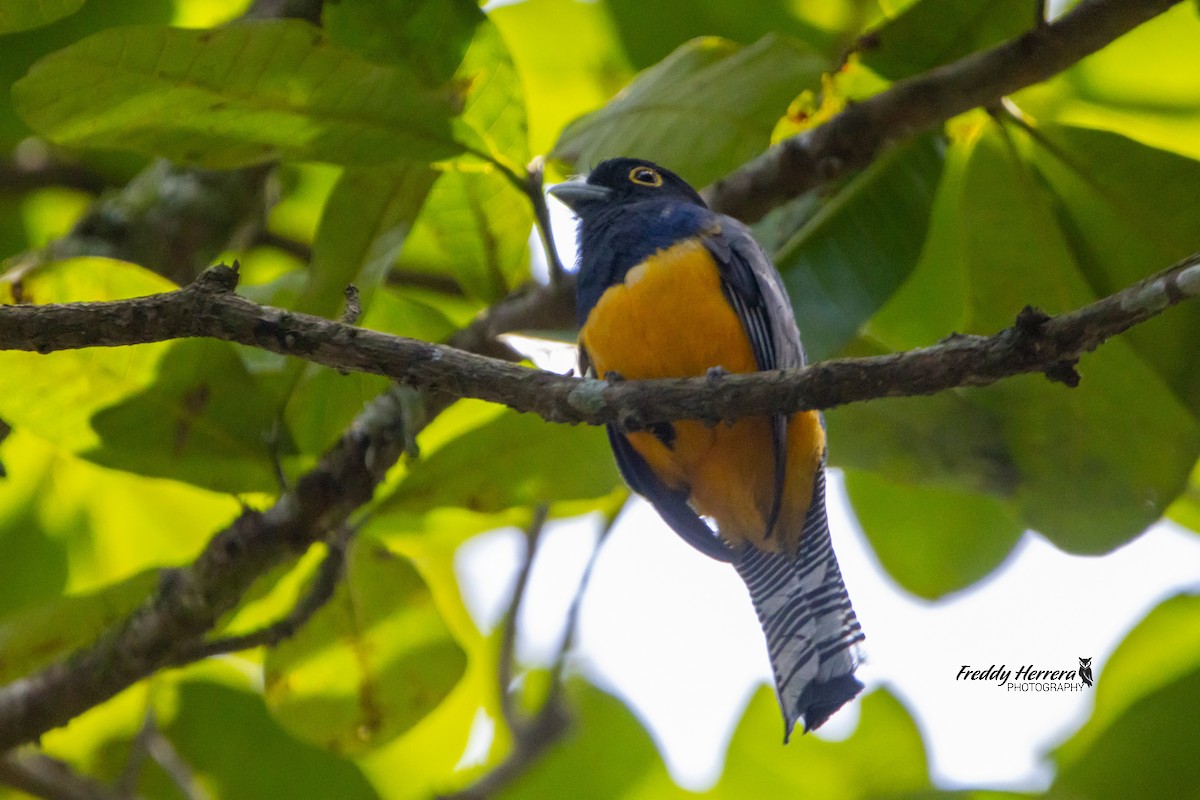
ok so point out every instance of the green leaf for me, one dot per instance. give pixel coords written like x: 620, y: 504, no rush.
x: 1149, y: 752
x: 702, y: 111
x: 370, y: 664
x: 1162, y: 649
x: 1186, y: 508
x: 1144, y: 85
x: 83, y: 527
x: 513, y: 460
x: 15, y: 237
x: 1095, y: 469
x: 883, y: 757
x: 932, y: 301
x: 324, y: 402
x: 237, y: 95
x: 649, y: 31
x: 430, y: 37
x: 932, y: 540
x: 932, y: 482
x: 221, y: 729
x: 948, y: 439
x: 606, y: 743
x: 35, y: 636
x: 303, y: 188
x: 495, y: 108
x: 1085, y: 467
x: 20, y: 15
x: 930, y: 33
x: 843, y: 262
x: 561, y: 82
x: 26, y: 537
x: 475, y: 229
x: 56, y: 395
x: 427, y: 760
x: 205, y: 420
x: 1128, y: 211
x: 446, y: 43
x: 366, y: 219
x: 398, y: 313
x: 22, y: 49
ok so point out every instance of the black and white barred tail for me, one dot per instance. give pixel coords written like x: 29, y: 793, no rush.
x: 806, y: 615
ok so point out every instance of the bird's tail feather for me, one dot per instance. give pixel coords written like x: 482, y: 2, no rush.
x: 806, y: 615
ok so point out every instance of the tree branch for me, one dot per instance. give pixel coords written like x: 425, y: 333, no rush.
x: 190, y: 600
x: 1035, y: 343
x: 19, y: 175
x: 508, y: 640
x: 151, y: 741
x: 854, y: 138
x: 43, y: 776
x: 320, y: 591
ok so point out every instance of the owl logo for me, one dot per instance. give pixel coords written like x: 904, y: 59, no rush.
x: 1085, y: 670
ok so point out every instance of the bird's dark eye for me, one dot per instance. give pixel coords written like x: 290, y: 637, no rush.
x: 645, y: 176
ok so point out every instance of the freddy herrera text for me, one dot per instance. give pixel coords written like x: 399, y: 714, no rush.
x: 1024, y: 679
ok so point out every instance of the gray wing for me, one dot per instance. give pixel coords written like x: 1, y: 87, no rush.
x: 757, y: 294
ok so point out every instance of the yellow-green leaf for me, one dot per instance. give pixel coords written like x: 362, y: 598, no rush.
x: 370, y: 664
x: 20, y: 15
x: 702, y: 111
x: 236, y: 95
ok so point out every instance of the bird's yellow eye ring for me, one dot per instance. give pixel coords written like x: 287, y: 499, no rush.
x: 644, y: 176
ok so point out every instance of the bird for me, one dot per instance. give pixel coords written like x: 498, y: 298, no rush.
x: 667, y: 288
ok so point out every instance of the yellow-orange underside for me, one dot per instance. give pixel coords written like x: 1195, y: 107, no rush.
x: 670, y: 318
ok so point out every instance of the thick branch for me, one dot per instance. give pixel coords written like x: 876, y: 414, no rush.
x: 853, y: 139
x: 1035, y: 343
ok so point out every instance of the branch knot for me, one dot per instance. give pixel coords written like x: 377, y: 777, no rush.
x: 219, y: 279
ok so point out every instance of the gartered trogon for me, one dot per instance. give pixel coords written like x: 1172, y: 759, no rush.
x: 668, y: 288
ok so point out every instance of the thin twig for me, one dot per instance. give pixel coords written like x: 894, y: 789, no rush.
x: 353, y: 309
x: 541, y: 215
x: 320, y: 591
x: 42, y: 776
x: 172, y: 763
x: 131, y: 775
x: 151, y: 742
x: 508, y: 639
x: 572, y: 626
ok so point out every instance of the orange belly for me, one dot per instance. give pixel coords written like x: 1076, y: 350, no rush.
x: 670, y: 318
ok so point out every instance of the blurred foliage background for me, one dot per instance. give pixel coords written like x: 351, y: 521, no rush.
x: 146, y: 139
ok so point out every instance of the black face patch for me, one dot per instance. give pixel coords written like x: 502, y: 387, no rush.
x: 665, y: 433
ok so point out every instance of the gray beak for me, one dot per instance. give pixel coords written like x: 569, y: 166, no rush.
x: 576, y: 195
